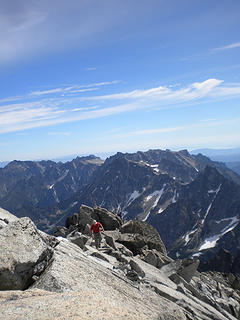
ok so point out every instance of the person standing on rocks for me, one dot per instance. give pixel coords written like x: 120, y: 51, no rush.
x: 95, y: 231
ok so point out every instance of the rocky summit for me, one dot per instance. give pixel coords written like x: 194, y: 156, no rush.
x: 63, y: 276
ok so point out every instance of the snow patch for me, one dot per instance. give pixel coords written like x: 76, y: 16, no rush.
x: 124, y: 213
x: 197, y: 254
x: 133, y: 196
x: 154, y: 166
x: 175, y: 195
x: 156, y: 194
x: 187, y: 236
x: 209, y: 207
x: 73, y: 204
x: 146, y: 216
x: 211, y: 241
x: 215, y: 191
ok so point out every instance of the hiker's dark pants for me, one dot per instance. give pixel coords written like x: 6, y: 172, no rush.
x: 97, y: 238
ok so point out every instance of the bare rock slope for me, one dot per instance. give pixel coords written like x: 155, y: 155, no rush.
x: 80, y: 282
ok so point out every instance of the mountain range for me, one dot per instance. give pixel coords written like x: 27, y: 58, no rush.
x: 192, y: 201
x: 231, y: 157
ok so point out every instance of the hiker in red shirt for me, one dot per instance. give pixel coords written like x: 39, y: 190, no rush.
x: 95, y: 231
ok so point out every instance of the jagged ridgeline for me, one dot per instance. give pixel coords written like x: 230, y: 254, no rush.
x: 193, y: 202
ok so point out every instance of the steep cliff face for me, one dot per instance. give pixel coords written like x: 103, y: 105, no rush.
x: 204, y: 219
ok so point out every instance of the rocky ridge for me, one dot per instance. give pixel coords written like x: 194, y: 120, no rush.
x: 27, y: 188
x: 193, y: 206
x: 192, y: 201
x: 64, y: 276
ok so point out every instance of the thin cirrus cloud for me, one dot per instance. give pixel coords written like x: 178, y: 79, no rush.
x: 59, y: 133
x: 60, y: 91
x: 74, y: 89
x: 91, y: 69
x: 206, y: 123
x: 51, y: 111
x: 228, y: 47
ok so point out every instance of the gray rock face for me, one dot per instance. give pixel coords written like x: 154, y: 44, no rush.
x: 41, y: 184
x: 86, y: 215
x: 23, y: 255
x: 138, y: 235
x: 155, y: 258
x: 5, y: 218
x: 109, y: 220
x: 106, y: 277
x: 78, y: 239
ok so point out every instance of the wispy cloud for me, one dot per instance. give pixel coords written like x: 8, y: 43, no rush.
x: 199, y: 56
x: 60, y: 91
x: 59, y: 133
x: 91, y: 69
x: 228, y: 47
x: 150, y: 131
x: 73, y: 89
x: 50, y: 111
x: 196, y: 90
x: 201, y: 124
x: 208, y: 120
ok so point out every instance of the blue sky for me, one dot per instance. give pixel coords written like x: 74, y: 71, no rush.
x: 92, y: 77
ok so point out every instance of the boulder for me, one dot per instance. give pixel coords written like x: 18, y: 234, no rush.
x: 99, y: 256
x: 185, y: 268
x: 155, y: 258
x: 5, y: 218
x: 125, y: 251
x: 135, y: 266
x: 78, y: 239
x: 132, y: 275
x: 24, y: 254
x: 3, y: 223
x: 140, y: 243
x: 72, y: 220
x: 109, y: 240
x: 188, y: 269
x: 119, y: 256
x: 134, y: 242
x: 109, y: 220
x: 85, y: 216
x: 61, y: 232
x: 79, y: 221
x: 147, y: 233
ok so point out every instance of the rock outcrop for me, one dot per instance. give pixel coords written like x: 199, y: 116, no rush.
x: 67, y: 278
x: 5, y: 218
x: 24, y: 254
